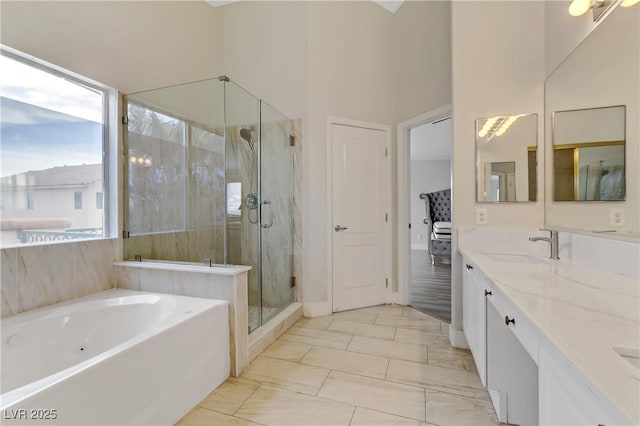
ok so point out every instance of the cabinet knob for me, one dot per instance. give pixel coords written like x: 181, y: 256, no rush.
x: 508, y: 320
x: 487, y: 293
x: 469, y: 267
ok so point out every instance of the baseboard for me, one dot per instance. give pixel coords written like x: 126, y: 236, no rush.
x: 316, y: 309
x: 423, y: 247
x: 457, y: 339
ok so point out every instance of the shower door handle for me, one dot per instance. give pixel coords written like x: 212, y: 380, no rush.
x: 270, y: 223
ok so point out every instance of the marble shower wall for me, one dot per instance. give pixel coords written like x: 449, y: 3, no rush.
x: 37, y: 276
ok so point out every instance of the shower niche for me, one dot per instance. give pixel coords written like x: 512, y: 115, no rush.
x: 209, y: 180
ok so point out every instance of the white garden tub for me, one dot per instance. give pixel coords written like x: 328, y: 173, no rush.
x: 113, y: 358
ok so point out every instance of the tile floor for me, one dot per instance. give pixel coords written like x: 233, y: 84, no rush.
x: 384, y: 365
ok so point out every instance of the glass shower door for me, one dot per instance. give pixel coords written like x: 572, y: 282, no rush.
x: 276, y: 216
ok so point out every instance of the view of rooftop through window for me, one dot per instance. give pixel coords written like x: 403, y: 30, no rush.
x: 51, y: 150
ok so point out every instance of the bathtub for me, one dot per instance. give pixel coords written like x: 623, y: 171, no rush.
x: 113, y: 358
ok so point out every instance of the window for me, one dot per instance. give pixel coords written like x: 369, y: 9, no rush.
x: 29, y: 200
x: 99, y: 200
x: 54, y: 140
x: 77, y: 200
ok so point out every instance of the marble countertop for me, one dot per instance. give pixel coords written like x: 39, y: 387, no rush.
x: 583, y: 311
x: 185, y: 267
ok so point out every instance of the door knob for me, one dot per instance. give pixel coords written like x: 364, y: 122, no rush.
x: 339, y: 228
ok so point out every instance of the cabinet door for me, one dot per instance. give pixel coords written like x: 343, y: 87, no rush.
x: 511, y: 372
x: 473, y: 317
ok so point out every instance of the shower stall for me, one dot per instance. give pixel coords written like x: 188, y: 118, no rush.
x: 209, y: 179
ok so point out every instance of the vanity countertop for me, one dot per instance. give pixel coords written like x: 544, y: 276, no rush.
x: 584, y: 312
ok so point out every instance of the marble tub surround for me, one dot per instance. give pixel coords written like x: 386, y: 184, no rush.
x: 41, y: 275
x: 304, y: 378
x: 222, y: 283
x: 578, y: 308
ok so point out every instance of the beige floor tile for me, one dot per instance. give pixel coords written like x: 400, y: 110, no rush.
x: 288, y: 351
x: 418, y: 337
x: 408, y: 311
x: 389, y: 349
x: 423, y: 324
x: 385, y: 309
x: 446, y: 409
x: 202, y: 416
x: 350, y: 362
x: 280, y: 407
x: 457, y: 381
x: 289, y: 375
x: 326, y: 338
x: 445, y: 328
x: 318, y: 322
x: 392, y: 398
x: 366, y: 315
x: 366, y: 417
x: 450, y: 357
x: 229, y: 396
x: 361, y: 329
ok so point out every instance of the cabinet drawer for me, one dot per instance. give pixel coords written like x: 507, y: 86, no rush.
x: 518, y: 323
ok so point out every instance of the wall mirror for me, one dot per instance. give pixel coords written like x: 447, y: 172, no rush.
x: 506, y: 158
x: 592, y: 112
x: 588, y: 154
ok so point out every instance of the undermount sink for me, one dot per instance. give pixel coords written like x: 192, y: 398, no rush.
x: 631, y: 355
x: 515, y: 258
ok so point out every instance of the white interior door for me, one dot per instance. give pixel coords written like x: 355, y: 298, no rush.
x: 361, y: 186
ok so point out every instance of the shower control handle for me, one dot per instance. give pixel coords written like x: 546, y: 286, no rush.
x: 270, y: 223
x: 339, y: 228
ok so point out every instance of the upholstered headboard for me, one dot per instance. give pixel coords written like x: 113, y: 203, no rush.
x: 439, y: 205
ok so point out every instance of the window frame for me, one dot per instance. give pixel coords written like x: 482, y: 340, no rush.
x: 111, y: 101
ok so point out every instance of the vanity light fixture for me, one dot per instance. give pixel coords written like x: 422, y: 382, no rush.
x: 598, y: 7
x: 487, y: 126
x: 497, y: 126
x: 507, y: 123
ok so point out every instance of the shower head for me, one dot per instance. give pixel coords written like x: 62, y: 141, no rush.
x: 247, y: 136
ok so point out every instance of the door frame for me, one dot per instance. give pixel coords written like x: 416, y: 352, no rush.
x: 366, y: 125
x: 403, y: 296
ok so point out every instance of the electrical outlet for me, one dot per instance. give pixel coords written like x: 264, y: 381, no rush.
x: 482, y: 217
x: 616, y: 217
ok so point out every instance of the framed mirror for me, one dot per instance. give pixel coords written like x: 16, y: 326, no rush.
x: 592, y: 135
x: 589, y: 154
x: 506, y: 158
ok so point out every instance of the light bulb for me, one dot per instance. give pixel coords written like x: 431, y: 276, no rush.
x: 628, y: 3
x: 134, y: 159
x: 487, y: 126
x: 579, y: 7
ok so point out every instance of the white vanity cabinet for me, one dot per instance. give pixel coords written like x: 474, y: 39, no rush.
x: 474, y: 315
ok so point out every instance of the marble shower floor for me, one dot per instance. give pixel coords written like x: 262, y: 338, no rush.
x: 390, y: 365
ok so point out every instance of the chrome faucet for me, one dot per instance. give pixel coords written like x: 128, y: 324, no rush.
x: 553, y: 240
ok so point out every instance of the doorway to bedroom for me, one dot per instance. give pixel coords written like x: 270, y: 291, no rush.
x: 430, y: 147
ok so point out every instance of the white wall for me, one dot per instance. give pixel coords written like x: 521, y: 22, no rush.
x: 426, y: 176
x: 130, y: 46
x: 422, y: 57
x: 498, y: 61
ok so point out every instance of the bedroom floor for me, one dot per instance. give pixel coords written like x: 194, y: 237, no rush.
x: 431, y: 285
x: 381, y: 365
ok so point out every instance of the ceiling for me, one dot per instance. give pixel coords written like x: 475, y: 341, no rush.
x: 431, y: 141
x: 391, y: 5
